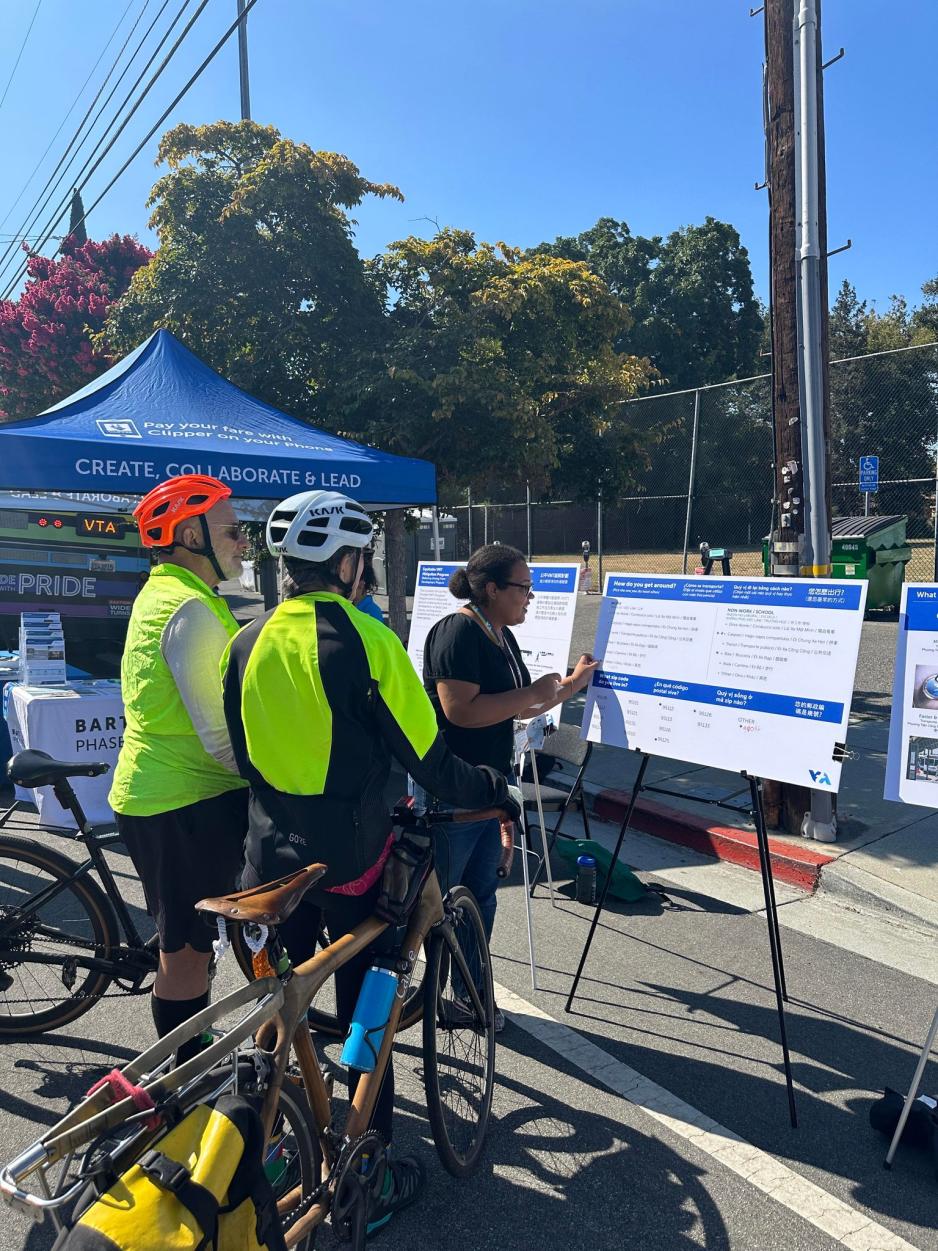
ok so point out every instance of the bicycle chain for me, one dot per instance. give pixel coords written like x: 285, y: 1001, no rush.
x: 85, y: 945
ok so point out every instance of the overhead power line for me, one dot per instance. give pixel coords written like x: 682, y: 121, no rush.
x: 166, y: 112
x: 91, y: 164
x: 19, y: 54
x: 33, y: 214
x: 71, y: 109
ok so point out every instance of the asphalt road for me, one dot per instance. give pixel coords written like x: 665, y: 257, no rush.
x: 678, y: 991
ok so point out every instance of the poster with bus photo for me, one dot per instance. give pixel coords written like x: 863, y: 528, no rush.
x: 912, y: 761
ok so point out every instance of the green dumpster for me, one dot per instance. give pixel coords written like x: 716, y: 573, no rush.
x: 867, y: 547
x: 873, y: 548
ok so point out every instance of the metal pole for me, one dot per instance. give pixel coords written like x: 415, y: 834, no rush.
x: 435, y: 516
x: 691, y: 477
x: 527, y: 509
x: 866, y: 503
x: 485, y: 524
x: 469, y: 516
x: 816, y: 559
x: 816, y: 550
x: 243, y: 63
x: 599, y: 538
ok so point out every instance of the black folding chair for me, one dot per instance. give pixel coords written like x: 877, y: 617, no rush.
x: 566, y: 745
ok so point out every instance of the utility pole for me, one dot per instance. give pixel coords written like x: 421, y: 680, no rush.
x: 243, y: 62
x: 795, y: 174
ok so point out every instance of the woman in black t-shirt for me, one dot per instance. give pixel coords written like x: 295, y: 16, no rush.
x: 478, y: 683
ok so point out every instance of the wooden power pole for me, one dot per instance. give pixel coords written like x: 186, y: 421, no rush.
x: 787, y: 805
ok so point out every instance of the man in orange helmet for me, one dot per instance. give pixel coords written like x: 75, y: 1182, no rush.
x: 181, y: 806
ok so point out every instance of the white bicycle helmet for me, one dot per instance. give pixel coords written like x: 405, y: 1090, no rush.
x: 315, y: 524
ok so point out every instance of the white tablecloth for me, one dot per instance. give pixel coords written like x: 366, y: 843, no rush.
x: 83, y: 721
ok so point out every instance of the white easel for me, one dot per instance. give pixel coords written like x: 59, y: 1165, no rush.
x: 529, y: 736
x: 913, y: 1089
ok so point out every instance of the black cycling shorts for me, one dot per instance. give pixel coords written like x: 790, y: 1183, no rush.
x: 186, y: 855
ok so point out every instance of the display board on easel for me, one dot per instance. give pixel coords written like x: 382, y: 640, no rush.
x: 544, y: 636
x: 912, y: 761
x: 753, y: 675
x: 749, y: 675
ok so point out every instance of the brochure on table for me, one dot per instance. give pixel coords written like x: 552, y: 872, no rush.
x: 544, y: 637
x: 912, y: 761
x: 751, y: 675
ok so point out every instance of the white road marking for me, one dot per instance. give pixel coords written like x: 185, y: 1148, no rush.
x: 825, y: 1211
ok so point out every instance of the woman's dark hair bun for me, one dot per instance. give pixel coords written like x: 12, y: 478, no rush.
x: 492, y: 563
x: 459, y: 584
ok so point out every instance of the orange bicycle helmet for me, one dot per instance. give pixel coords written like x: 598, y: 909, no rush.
x: 177, y: 499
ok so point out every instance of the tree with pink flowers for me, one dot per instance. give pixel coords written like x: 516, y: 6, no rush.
x: 46, y: 347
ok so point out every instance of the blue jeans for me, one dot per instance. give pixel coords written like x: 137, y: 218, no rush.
x: 468, y: 855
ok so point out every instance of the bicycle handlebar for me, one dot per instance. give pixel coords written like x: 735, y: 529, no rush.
x: 409, y: 818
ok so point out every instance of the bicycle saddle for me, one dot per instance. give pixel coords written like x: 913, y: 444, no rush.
x: 270, y: 904
x: 38, y: 768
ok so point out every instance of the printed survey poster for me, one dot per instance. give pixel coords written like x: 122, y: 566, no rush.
x: 751, y: 675
x: 432, y: 602
x: 912, y: 762
x: 544, y: 636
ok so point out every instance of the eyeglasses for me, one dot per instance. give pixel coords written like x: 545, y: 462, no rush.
x: 230, y: 531
x: 527, y: 587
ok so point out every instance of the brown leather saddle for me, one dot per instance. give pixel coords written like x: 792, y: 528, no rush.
x: 270, y: 904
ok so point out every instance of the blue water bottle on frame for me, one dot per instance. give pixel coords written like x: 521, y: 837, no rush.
x: 370, y: 1019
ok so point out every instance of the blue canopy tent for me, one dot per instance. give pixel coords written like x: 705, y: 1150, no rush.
x: 162, y: 411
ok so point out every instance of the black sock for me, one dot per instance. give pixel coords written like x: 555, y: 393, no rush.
x: 168, y: 1013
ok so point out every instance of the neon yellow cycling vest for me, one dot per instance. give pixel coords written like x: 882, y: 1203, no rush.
x: 162, y: 763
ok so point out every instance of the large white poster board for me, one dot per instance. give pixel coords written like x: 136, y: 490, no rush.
x: 544, y: 637
x: 912, y: 762
x: 753, y: 675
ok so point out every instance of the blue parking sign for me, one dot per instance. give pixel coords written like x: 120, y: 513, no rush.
x: 869, y: 473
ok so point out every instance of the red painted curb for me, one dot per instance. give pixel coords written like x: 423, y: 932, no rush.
x: 798, y: 866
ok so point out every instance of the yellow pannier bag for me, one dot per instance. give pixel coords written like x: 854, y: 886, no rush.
x: 202, y: 1186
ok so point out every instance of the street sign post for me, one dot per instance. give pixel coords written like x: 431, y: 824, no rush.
x: 869, y: 479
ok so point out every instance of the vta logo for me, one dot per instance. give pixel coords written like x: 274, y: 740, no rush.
x: 819, y: 777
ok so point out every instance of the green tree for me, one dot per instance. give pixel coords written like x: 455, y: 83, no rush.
x: 256, y: 268
x: 690, y: 296
x: 499, y: 367
x: 884, y: 403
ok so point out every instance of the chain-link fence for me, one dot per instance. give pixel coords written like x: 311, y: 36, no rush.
x: 711, y: 476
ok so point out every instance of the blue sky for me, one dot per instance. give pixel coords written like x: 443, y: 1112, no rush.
x: 521, y: 119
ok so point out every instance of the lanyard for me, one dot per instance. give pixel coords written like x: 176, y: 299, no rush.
x: 513, y: 668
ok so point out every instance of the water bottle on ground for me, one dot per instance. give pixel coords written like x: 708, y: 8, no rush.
x: 586, y: 879
x: 370, y: 1019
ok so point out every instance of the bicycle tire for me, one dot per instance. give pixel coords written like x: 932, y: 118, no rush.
x: 91, y: 911
x: 446, y: 1075
x: 320, y: 1020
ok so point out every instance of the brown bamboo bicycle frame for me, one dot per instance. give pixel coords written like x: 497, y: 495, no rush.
x: 279, y: 1019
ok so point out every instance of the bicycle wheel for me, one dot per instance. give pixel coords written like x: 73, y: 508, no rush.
x: 458, y: 1038
x: 322, y: 1020
x: 292, y: 1157
x: 76, y: 921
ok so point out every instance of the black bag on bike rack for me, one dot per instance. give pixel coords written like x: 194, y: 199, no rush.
x: 405, y: 872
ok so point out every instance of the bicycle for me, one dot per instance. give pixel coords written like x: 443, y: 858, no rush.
x: 61, y: 941
x: 327, y: 1172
